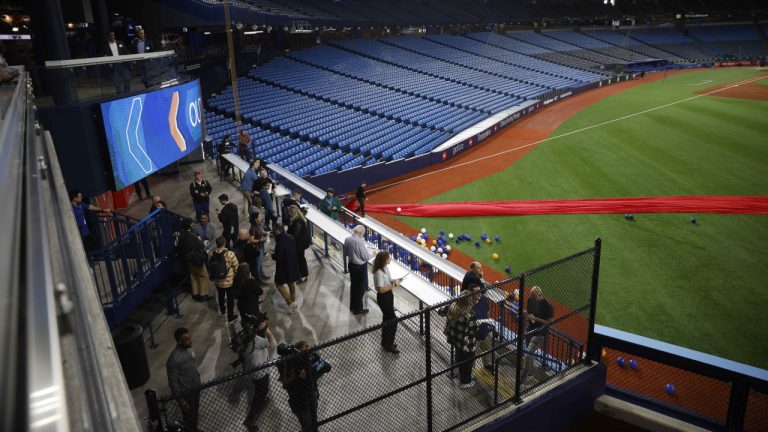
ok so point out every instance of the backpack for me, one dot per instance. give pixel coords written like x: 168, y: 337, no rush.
x: 217, y: 266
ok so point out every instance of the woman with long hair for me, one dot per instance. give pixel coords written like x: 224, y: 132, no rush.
x: 297, y: 228
x: 384, y: 283
x: 461, y: 332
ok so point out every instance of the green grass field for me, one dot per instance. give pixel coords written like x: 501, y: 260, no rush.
x: 699, y: 286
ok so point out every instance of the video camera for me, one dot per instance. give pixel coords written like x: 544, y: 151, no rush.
x: 319, y: 364
x: 244, y: 337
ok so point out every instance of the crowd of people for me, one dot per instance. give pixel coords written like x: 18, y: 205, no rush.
x: 232, y: 259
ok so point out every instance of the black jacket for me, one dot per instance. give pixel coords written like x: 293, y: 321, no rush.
x: 188, y: 242
x: 196, y: 189
x: 298, y: 229
x: 286, y: 260
x: 229, y: 219
x: 122, y: 49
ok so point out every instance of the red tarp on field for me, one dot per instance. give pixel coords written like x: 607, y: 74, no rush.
x: 670, y: 204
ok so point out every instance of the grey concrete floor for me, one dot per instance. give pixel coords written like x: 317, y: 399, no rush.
x: 324, y: 299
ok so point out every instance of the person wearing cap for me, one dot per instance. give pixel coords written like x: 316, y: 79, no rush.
x: 200, y: 190
x: 330, y: 205
x: 257, y: 353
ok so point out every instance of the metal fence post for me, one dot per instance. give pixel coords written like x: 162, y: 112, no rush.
x: 593, y: 301
x: 155, y: 421
x: 428, y: 361
x: 737, y: 406
x: 520, y: 339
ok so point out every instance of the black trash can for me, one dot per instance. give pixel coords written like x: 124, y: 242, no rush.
x: 129, y: 343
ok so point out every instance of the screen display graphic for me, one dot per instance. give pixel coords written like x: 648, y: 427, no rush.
x: 149, y: 131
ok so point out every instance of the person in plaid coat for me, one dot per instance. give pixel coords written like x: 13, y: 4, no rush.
x: 461, y: 332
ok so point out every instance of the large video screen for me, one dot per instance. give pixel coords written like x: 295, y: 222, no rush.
x: 149, y: 131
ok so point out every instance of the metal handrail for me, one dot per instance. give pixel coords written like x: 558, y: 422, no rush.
x: 92, y: 382
x: 11, y: 181
x: 93, y: 61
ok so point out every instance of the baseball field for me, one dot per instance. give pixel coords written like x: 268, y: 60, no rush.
x: 699, y: 285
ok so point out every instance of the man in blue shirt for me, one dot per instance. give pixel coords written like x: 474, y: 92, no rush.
x: 140, y: 45
x: 246, y: 185
x: 78, y: 209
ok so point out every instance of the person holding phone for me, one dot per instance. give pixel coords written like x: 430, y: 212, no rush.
x: 386, y: 298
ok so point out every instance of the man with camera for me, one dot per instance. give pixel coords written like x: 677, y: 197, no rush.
x: 299, y: 374
x: 253, y: 345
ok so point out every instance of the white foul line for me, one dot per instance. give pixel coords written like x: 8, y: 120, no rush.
x: 747, y: 81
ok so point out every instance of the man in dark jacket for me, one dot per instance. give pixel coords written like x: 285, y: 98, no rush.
x: 184, y: 379
x: 120, y: 75
x: 269, y: 207
x: 361, y: 198
x: 473, y: 277
x: 286, y: 265
x: 229, y: 219
x: 192, y: 251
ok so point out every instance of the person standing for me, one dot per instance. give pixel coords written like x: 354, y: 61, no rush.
x: 257, y: 353
x: 205, y: 230
x: 200, y: 190
x: 286, y: 266
x: 184, y: 378
x: 225, y: 167
x: 269, y: 207
x: 229, y: 219
x: 141, y: 45
x: 223, y: 285
x: 247, y: 249
x: 538, y: 313
x: 248, y: 292
x: 330, y: 204
x: 79, y: 208
x: 192, y: 251
x: 293, y: 200
x: 300, y: 380
x: 259, y: 240
x: 246, y: 185
x: 474, y: 276
x: 121, y: 77
x: 243, y: 144
x: 384, y: 283
x: 461, y: 333
x: 361, y: 197
x: 137, y: 188
x: 356, y: 256
x: 297, y: 227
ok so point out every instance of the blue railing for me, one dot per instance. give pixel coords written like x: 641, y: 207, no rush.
x: 132, y: 265
x: 695, y: 387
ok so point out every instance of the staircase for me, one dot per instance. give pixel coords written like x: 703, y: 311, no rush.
x: 135, y: 265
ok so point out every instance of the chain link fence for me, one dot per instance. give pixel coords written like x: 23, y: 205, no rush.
x: 419, y: 388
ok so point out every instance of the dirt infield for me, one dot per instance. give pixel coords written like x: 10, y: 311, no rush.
x: 754, y: 90
x: 517, y: 140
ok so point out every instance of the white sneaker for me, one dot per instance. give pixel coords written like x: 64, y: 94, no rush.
x: 468, y: 385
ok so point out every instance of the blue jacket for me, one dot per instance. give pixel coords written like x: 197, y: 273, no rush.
x: 248, y: 179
